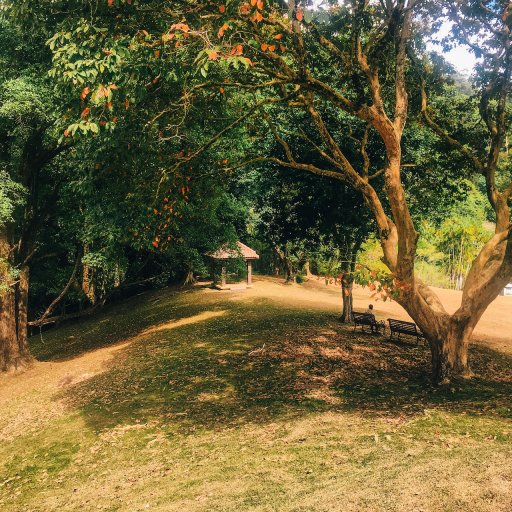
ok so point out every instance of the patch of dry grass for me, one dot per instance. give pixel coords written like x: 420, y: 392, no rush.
x: 225, y: 402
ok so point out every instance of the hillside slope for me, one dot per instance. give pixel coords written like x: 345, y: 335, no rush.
x: 260, y: 400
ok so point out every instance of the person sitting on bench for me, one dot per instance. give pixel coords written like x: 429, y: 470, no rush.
x: 375, y: 326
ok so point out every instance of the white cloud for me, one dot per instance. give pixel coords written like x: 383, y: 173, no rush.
x: 460, y: 57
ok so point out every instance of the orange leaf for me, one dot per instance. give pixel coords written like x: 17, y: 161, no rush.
x: 282, y: 48
x: 110, y: 3
x: 259, y: 5
x: 66, y: 133
x: 278, y: 36
x: 85, y: 92
x: 213, y: 55
x: 222, y: 30
x: 167, y: 37
x: 253, y: 2
x: 157, y: 54
x: 85, y: 112
x: 299, y: 14
x: 182, y: 26
x: 272, y: 47
x: 222, y: 8
x: 264, y: 47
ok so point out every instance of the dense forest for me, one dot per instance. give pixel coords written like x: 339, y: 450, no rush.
x: 137, y: 137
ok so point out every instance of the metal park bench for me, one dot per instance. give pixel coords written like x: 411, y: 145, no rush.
x: 368, y: 320
x: 398, y: 327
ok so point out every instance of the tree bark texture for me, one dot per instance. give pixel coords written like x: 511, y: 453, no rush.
x: 346, y: 288
x: 14, y: 349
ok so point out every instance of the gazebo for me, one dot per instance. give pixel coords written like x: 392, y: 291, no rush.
x: 239, y: 251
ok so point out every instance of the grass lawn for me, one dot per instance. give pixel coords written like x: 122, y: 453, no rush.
x: 256, y: 401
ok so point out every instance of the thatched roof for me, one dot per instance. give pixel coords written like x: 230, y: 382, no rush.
x: 227, y: 253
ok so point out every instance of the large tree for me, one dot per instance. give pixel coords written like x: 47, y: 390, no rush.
x: 29, y: 154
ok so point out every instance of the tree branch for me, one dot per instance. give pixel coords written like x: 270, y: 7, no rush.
x: 51, y: 307
x: 443, y: 134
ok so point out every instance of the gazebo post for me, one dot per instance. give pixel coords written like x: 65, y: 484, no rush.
x: 223, y: 276
x: 249, y: 273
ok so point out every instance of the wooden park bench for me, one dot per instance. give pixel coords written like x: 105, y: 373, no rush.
x: 366, y: 319
x: 398, y: 327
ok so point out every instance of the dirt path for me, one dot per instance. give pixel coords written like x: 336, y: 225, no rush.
x: 39, y: 386
x: 494, y: 328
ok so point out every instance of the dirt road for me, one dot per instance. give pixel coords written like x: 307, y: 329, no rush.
x: 494, y: 328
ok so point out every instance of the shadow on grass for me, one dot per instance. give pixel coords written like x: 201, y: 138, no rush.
x: 116, y: 323
x: 257, y: 362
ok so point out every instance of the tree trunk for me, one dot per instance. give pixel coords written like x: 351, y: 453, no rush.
x: 450, y: 356
x: 346, y: 288
x: 88, y: 279
x: 10, y: 357
x: 22, y: 313
x: 348, y: 266
x: 448, y: 335
x: 189, y: 278
x: 14, y: 349
x: 288, y: 270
